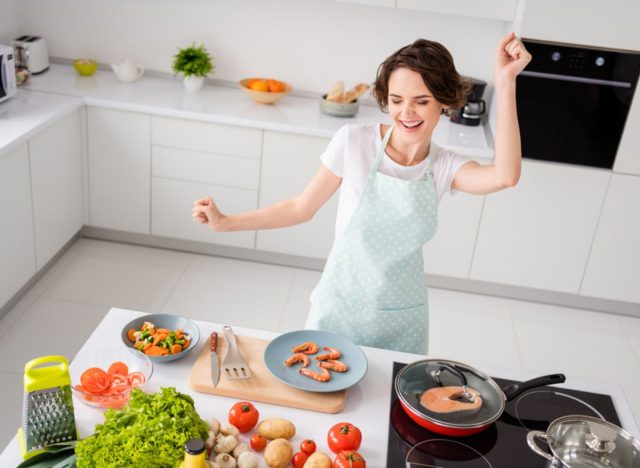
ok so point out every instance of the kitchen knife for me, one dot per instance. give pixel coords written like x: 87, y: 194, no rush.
x: 215, y: 365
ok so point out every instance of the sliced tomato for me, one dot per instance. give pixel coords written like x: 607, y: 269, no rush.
x: 136, y: 379
x: 95, y: 380
x: 119, y: 368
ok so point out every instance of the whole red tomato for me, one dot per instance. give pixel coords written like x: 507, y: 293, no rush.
x: 349, y: 459
x: 344, y: 436
x: 243, y: 415
x: 308, y: 446
x: 258, y: 443
x: 299, y: 459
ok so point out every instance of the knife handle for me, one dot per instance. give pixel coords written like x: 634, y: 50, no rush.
x: 213, y: 341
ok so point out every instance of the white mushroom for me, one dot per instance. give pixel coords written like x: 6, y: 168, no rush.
x: 230, y: 429
x: 211, y: 439
x: 240, y: 449
x: 214, y: 425
x: 213, y: 464
x: 225, y: 444
x: 225, y: 460
x: 248, y: 460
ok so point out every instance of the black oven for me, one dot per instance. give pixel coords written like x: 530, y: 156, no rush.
x: 573, y: 102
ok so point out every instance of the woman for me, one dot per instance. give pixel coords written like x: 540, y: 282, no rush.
x: 372, y: 289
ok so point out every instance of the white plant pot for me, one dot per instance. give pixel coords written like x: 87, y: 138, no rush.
x: 193, y: 83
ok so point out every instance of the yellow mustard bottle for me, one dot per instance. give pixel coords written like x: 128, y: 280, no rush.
x: 195, y: 455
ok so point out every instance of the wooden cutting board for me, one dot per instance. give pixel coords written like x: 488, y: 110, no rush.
x: 262, y: 386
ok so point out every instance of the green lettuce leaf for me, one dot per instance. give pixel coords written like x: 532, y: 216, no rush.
x: 150, y: 431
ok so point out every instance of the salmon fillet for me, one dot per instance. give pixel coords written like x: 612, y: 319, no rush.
x: 450, y: 400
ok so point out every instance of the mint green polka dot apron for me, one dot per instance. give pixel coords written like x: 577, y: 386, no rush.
x: 373, y: 288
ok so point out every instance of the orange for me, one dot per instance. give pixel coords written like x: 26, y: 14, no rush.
x: 259, y: 85
x: 276, y: 86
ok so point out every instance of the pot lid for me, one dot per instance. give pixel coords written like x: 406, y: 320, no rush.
x: 584, y: 440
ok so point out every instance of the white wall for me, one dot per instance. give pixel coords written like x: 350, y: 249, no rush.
x: 8, y: 21
x: 309, y: 43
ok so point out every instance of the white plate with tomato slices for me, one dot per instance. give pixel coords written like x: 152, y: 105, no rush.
x: 280, y: 349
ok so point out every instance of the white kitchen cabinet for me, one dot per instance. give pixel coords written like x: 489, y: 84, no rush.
x: 588, y: 22
x: 381, y: 3
x: 288, y: 164
x: 192, y: 160
x: 119, y: 169
x: 450, y: 251
x: 628, y: 158
x: 206, y: 168
x: 208, y: 137
x: 503, y: 10
x: 539, y: 233
x: 613, y: 271
x: 172, y: 201
x: 56, y: 180
x: 17, y: 255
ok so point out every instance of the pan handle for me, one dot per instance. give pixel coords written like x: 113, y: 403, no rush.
x: 516, y: 389
x: 531, y: 441
x: 454, y: 370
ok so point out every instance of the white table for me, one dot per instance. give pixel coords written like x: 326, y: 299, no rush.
x: 368, y: 402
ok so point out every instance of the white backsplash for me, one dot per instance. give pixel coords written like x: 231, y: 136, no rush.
x: 311, y: 44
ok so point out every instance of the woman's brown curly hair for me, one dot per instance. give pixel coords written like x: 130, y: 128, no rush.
x: 434, y: 63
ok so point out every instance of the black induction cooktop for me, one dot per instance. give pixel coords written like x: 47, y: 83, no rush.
x: 503, y: 444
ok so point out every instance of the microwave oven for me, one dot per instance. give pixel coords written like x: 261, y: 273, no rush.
x: 7, y: 73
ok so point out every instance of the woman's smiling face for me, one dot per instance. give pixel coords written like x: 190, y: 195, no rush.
x: 412, y: 106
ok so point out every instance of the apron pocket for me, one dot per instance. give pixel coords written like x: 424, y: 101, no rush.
x: 403, y: 329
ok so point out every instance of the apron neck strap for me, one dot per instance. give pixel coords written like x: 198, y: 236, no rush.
x: 383, y: 145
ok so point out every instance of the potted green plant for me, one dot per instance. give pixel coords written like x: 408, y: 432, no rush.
x: 194, y: 63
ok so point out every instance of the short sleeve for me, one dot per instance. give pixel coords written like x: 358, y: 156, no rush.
x: 445, y: 170
x: 334, y: 156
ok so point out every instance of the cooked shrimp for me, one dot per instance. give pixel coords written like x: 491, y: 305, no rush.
x: 308, y: 347
x: 298, y: 357
x: 333, y: 354
x: 323, y: 376
x: 334, y: 365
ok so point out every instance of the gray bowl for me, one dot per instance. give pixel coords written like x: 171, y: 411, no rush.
x: 339, y: 110
x: 164, y: 321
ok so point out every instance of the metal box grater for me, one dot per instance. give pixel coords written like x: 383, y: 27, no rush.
x: 47, y: 412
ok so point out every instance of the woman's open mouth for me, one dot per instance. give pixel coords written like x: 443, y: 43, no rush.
x: 411, y: 125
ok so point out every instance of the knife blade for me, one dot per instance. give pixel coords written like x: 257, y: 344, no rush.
x: 215, y: 365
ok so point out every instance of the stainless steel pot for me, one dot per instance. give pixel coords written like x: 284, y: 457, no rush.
x: 584, y: 441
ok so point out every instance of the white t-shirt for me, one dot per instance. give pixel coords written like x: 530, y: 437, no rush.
x: 352, y: 151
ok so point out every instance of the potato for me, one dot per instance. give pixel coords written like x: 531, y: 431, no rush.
x: 278, y: 453
x: 318, y: 460
x: 276, y: 428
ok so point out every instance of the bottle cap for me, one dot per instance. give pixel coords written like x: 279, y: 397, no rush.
x: 194, y: 446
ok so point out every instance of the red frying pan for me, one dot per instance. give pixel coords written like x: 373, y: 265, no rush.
x: 415, y: 379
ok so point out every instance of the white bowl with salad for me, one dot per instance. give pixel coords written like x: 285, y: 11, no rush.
x: 161, y: 337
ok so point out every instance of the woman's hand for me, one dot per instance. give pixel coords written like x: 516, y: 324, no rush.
x: 511, y: 58
x: 205, y: 211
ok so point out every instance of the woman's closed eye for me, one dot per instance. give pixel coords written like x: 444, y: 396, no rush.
x: 421, y: 103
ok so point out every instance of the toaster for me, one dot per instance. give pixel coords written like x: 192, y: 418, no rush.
x: 31, y: 53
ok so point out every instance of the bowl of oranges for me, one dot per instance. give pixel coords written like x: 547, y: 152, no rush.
x: 265, y: 90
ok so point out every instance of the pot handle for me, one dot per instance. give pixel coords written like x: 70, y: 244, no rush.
x: 454, y: 370
x: 531, y: 441
x: 516, y: 389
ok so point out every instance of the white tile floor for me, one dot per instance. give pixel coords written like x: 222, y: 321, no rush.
x: 60, y: 311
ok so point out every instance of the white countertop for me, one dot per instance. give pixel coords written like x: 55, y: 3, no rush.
x: 29, y: 112
x: 220, y: 104
x: 368, y: 402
